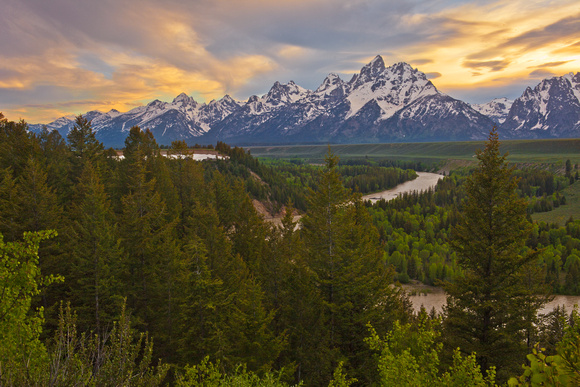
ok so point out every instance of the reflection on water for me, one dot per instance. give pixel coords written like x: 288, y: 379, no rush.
x: 423, y: 182
x: 430, y: 296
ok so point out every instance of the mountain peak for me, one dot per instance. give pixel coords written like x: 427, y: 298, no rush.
x: 183, y: 98
x: 331, y: 82
x: 377, y: 62
x: 373, y: 68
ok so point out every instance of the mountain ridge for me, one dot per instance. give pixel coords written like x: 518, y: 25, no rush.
x: 397, y: 103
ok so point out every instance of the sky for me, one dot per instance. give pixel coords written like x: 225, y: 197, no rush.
x: 63, y: 57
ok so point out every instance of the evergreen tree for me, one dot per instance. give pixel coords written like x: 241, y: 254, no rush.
x: 17, y: 145
x: 84, y: 147
x: 10, y: 206
x: 55, y: 156
x: 94, y: 253
x: 343, y: 250
x: 484, y: 306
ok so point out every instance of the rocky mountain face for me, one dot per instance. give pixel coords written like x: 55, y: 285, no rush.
x: 182, y: 119
x: 497, y: 109
x: 379, y: 104
x: 550, y: 110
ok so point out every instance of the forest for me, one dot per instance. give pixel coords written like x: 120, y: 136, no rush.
x: 152, y: 270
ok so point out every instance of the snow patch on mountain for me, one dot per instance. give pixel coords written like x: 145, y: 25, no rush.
x: 391, y: 87
x: 497, y: 109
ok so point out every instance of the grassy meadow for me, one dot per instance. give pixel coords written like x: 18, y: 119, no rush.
x: 520, y: 151
x: 561, y: 214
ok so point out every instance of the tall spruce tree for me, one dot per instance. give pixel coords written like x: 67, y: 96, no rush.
x: 342, y: 248
x: 485, y: 307
x: 84, y: 147
x: 94, y: 253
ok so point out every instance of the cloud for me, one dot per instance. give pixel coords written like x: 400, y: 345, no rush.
x: 492, y: 65
x: 553, y: 64
x: 571, y: 49
x: 541, y: 74
x: 123, y: 52
x: 534, y: 39
x: 433, y: 75
x: 420, y: 62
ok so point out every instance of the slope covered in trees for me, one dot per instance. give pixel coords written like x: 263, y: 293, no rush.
x: 175, y: 248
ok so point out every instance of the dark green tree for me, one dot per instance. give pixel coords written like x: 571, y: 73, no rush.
x: 94, y: 253
x: 342, y: 248
x: 10, y: 206
x: 484, y: 306
x: 84, y: 146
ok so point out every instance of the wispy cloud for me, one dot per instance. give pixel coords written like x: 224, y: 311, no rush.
x: 66, y: 56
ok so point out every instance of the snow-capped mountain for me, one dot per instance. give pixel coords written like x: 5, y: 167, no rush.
x: 497, y: 109
x: 391, y: 88
x: 182, y: 119
x: 550, y: 110
x: 379, y: 104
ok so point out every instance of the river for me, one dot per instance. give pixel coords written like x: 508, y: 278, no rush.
x: 423, y: 182
x: 431, y: 296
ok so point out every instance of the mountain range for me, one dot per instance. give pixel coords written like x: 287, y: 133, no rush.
x: 378, y: 104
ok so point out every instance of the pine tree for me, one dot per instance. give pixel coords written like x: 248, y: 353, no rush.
x: 84, y: 147
x: 94, y: 253
x: 342, y: 248
x: 484, y: 306
x: 55, y: 156
x: 10, y: 206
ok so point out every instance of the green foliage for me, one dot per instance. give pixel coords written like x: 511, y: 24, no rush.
x: 207, y: 374
x: 490, y: 306
x: 207, y: 277
x: 409, y: 355
x: 342, y: 249
x: 22, y: 355
x: 115, y: 358
x: 339, y: 379
x: 560, y: 369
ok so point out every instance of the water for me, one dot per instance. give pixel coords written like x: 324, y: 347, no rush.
x: 436, y: 297
x: 423, y: 182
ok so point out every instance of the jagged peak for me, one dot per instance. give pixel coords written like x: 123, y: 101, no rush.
x: 374, y: 67
x: 330, y: 82
x: 156, y: 102
x: 183, y: 98
x: 377, y: 62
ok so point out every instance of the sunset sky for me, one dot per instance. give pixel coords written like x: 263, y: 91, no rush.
x: 61, y: 57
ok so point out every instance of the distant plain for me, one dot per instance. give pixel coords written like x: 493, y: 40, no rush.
x: 555, y: 151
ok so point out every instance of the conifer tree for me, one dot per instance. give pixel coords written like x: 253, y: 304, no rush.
x: 94, y: 253
x: 84, y: 146
x: 342, y: 248
x: 40, y: 210
x: 10, y: 206
x: 17, y: 145
x: 484, y: 306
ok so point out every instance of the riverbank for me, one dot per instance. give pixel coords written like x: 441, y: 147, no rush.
x: 423, y: 182
x: 434, y: 297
